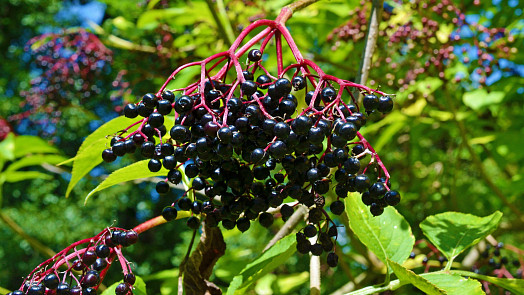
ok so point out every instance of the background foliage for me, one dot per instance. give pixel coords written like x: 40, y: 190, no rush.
x: 453, y: 142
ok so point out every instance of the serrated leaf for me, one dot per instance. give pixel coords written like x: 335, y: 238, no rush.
x: 454, y: 284
x: 89, y: 153
x: 453, y: 232
x: 388, y: 235
x: 262, y: 265
x: 479, y: 98
x: 27, y: 144
x: 35, y: 160
x: 134, y: 171
x: 139, y: 287
x: 15, y: 176
x: 407, y: 276
x: 516, y: 286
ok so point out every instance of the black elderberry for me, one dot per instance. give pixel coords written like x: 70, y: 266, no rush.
x: 316, y: 249
x: 332, y: 259
x: 376, y: 209
x: 164, y: 107
x: 377, y: 190
x: 138, y: 139
x: 169, y: 213
x: 341, y: 191
x: 121, y: 289
x: 147, y: 149
x: 323, y: 169
x: 266, y: 219
x: 347, y: 131
x: 51, y: 281
x: 162, y: 187
x: 332, y: 231
x: 263, y: 81
x: 315, y: 215
x: 150, y: 100
x: 362, y: 182
x: 313, y: 175
x: 100, y: 264
x: 392, y: 198
x: 168, y: 95
x: 357, y: 150
x: 282, y: 87
x: 184, y: 104
x: 301, y: 125
x: 90, y: 279
x: 248, y: 88
x: 352, y: 165
x: 36, y: 290
x: 131, y: 111
x: 143, y: 110
x: 102, y: 251
x: 196, y: 207
x: 228, y: 224
x: 321, y: 186
x: 328, y: 94
x: 243, y: 224
x: 193, y: 222
x: 154, y: 165
x: 131, y: 237
x: 62, y: 289
x: 174, y: 176
x: 287, y: 107
x: 257, y: 155
x: 298, y: 83
x: 198, y: 183
x: 278, y: 149
x: 88, y: 258
x: 310, y: 230
x: 315, y: 135
x: 247, y: 75
x: 286, y: 211
x: 385, y: 104
x: 119, y: 148
x: 370, y: 102
x: 108, y: 156
x: 254, y: 55
x: 89, y: 291
x: 310, y: 95
x: 130, y: 279
x: 366, y: 198
x: 77, y: 290
x: 337, y: 207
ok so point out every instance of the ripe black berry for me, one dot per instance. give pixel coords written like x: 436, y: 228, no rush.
x: 51, y: 281
x: 370, y: 102
x: 121, y: 289
x: 310, y: 230
x: 266, y: 219
x: 154, y: 165
x: 337, y: 207
x: 301, y: 125
x: 150, y: 100
x: 385, y: 104
x: 174, y: 176
x: 102, y: 251
x: 298, y: 83
x: 392, y: 198
x: 169, y: 213
x: 316, y: 249
x: 131, y: 111
x: 36, y: 290
x: 130, y: 279
x: 193, y: 222
x: 377, y: 190
x: 328, y: 94
x: 100, y: 264
x: 332, y: 259
x: 254, y: 55
x: 183, y: 104
x: 376, y: 209
x: 131, y: 237
x: 108, y: 156
x: 62, y: 289
x: 243, y: 224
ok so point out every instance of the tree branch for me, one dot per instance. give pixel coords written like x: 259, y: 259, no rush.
x: 288, y: 227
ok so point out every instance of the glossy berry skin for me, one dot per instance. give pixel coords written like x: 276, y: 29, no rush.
x: 298, y: 83
x: 102, y: 251
x: 100, y: 264
x: 385, y: 104
x: 36, y: 290
x: 89, y: 291
x: 370, y: 102
x: 174, y: 176
x: 164, y: 107
x: 121, y: 289
x: 51, y: 281
x: 183, y: 104
x: 162, y: 187
x: 90, y: 279
x: 328, y: 94
x: 149, y: 100
x: 108, y: 156
x: 263, y: 81
x: 248, y: 88
x: 392, y: 198
x: 155, y: 120
x: 131, y: 237
x: 63, y: 289
x: 377, y: 190
x: 375, y: 209
x: 130, y: 279
x: 154, y: 165
x: 17, y: 292
x: 169, y: 213
x: 131, y: 111
x: 169, y: 96
x: 76, y: 290
x: 185, y: 204
x: 254, y: 55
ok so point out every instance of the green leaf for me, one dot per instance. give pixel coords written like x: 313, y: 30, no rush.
x: 139, y: 288
x: 27, y: 144
x: 388, y: 235
x: 168, y: 274
x: 7, y: 147
x: 15, y: 176
x: 454, y: 284
x: 262, y: 265
x: 453, y: 232
x: 479, y: 98
x: 89, y: 153
x: 516, y: 286
x: 134, y: 171
x: 407, y: 276
x: 35, y: 160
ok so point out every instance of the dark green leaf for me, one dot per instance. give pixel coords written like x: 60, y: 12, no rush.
x: 89, y: 154
x: 264, y: 264
x: 453, y: 232
x: 134, y: 171
x: 388, y: 235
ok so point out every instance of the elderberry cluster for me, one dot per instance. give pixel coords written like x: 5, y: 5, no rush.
x: 246, y: 150
x: 84, y: 268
